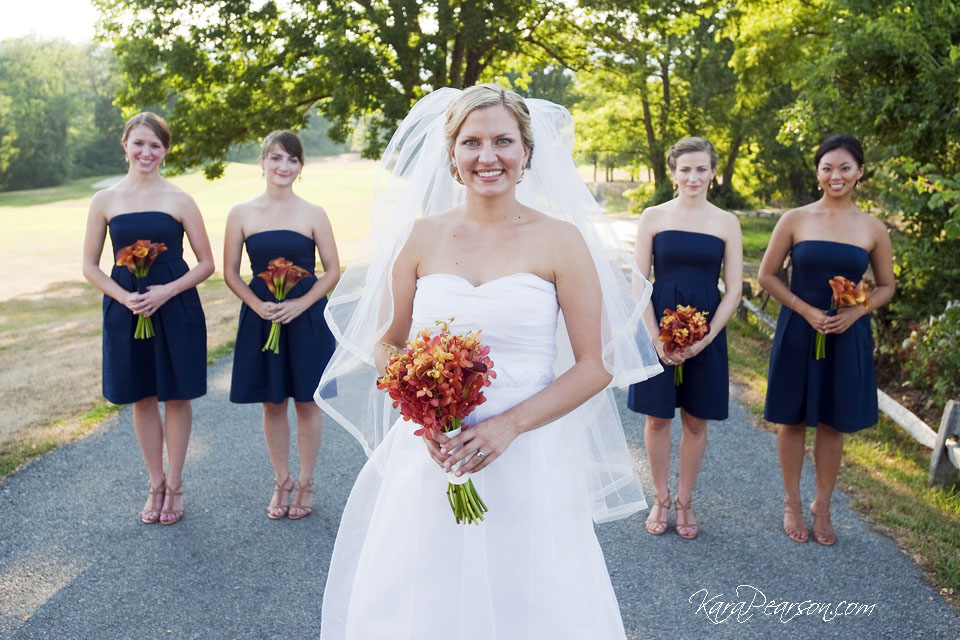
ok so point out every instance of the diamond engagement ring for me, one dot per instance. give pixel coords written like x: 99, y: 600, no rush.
x: 481, y: 455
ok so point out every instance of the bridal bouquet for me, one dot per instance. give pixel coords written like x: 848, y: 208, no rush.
x: 845, y: 294
x: 280, y: 276
x: 436, y: 382
x: 681, y: 328
x: 138, y: 258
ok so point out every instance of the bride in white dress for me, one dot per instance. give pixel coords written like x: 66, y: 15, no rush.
x: 546, y: 451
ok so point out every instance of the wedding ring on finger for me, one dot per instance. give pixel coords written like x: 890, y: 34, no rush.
x: 481, y: 455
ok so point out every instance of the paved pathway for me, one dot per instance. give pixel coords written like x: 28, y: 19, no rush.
x: 75, y: 562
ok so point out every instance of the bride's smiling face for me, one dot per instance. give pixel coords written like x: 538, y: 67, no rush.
x: 489, y: 152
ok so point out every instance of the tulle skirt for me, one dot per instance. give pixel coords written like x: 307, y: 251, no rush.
x: 403, y: 569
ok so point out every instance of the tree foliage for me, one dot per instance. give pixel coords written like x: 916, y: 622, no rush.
x: 232, y: 70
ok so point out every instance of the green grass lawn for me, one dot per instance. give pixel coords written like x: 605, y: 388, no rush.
x: 756, y: 234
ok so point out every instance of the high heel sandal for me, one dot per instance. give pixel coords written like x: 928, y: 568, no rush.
x: 177, y: 514
x: 659, y: 526
x: 279, y: 510
x: 692, y: 529
x: 298, y: 505
x: 797, y: 535
x: 160, y: 489
x: 825, y: 538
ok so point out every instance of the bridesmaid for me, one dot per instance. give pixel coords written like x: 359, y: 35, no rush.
x: 171, y: 367
x: 688, y: 240
x: 278, y: 223
x: 837, y: 394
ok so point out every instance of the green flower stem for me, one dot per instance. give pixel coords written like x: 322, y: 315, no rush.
x: 273, y: 340
x: 678, y: 375
x: 820, y: 347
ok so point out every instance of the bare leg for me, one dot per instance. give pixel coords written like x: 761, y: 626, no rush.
x: 827, y: 453
x: 693, y: 444
x: 656, y: 438
x: 790, y: 447
x: 309, y: 433
x: 149, y: 429
x: 178, y: 419
x: 276, y: 431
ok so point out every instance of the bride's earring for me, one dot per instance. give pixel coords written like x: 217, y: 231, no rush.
x: 456, y: 174
x: 520, y: 179
x: 300, y: 177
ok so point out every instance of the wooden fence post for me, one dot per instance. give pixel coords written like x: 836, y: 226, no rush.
x: 943, y: 469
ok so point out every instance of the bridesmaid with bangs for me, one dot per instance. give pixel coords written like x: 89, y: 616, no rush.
x: 279, y: 223
x: 171, y: 366
x: 835, y: 394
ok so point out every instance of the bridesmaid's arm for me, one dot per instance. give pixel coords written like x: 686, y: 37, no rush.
x: 580, y: 298
x: 881, y: 263
x: 643, y: 256
x: 329, y: 258
x: 732, y: 284
x: 192, y: 222
x: 781, y: 241
x: 93, y: 242
x: 232, y: 254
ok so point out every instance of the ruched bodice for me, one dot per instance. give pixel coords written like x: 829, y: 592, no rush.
x: 171, y: 365
x: 516, y: 313
x: 686, y: 269
x: 815, y: 262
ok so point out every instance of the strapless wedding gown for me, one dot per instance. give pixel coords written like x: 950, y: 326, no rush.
x: 403, y: 569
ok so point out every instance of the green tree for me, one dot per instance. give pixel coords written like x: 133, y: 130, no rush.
x: 232, y: 70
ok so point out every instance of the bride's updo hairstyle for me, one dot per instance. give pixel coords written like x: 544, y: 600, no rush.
x: 691, y: 145
x: 482, y: 96
x: 153, y: 122
x: 288, y: 141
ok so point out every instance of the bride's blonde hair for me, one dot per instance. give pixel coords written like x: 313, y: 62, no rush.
x: 483, y: 96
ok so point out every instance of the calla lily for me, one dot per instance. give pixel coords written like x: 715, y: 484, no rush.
x: 138, y: 258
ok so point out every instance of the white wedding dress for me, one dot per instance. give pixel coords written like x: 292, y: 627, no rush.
x: 402, y: 569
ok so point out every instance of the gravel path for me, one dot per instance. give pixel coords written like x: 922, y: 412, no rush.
x: 75, y: 562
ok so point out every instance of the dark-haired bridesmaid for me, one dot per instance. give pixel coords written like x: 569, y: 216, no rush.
x: 278, y: 223
x: 836, y: 394
x: 171, y: 366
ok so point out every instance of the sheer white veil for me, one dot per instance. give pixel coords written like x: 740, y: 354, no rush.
x: 414, y: 180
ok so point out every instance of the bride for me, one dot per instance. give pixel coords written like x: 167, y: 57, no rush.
x: 518, y: 252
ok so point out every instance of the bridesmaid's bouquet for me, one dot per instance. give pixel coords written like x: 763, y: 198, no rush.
x: 681, y: 328
x: 436, y: 382
x: 845, y: 294
x: 138, y: 258
x: 280, y: 276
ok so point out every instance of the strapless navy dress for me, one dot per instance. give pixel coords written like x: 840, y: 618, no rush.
x: 841, y: 389
x: 306, y: 344
x: 686, y: 268
x: 172, y: 365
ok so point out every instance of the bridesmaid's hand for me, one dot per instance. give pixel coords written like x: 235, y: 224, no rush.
x: 815, y: 317
x: 843, y: 319
x: 694, y: 349
x: 154, y: 298
x: 289, y: 310
x: 492, y: 437
x: 265, y: 310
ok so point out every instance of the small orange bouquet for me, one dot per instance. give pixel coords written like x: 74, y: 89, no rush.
x: 681, y: 328
x: 845, y: 294
x: 138, y: 258
x: 436, y: 382
x: 280, y: 276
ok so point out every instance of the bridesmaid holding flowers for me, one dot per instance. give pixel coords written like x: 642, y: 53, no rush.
x: 283, y: 342
x: 687, y: 240
x: 821, y: 364
x: 154, y: 332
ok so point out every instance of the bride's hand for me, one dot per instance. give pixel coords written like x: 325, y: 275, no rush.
x: 434, y: 440
x: 491, y: 437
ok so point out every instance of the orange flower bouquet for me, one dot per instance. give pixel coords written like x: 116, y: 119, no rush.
x: 436, y: 382
x: 280, y: 276
x: 845, y: 294
x: 681, y: 328
x: 138, y: 258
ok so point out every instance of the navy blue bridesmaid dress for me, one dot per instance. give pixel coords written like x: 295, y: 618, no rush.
x: 686, y: 269
x: 841, y: 389
x: 306, y: 343
x: 172, y: 365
